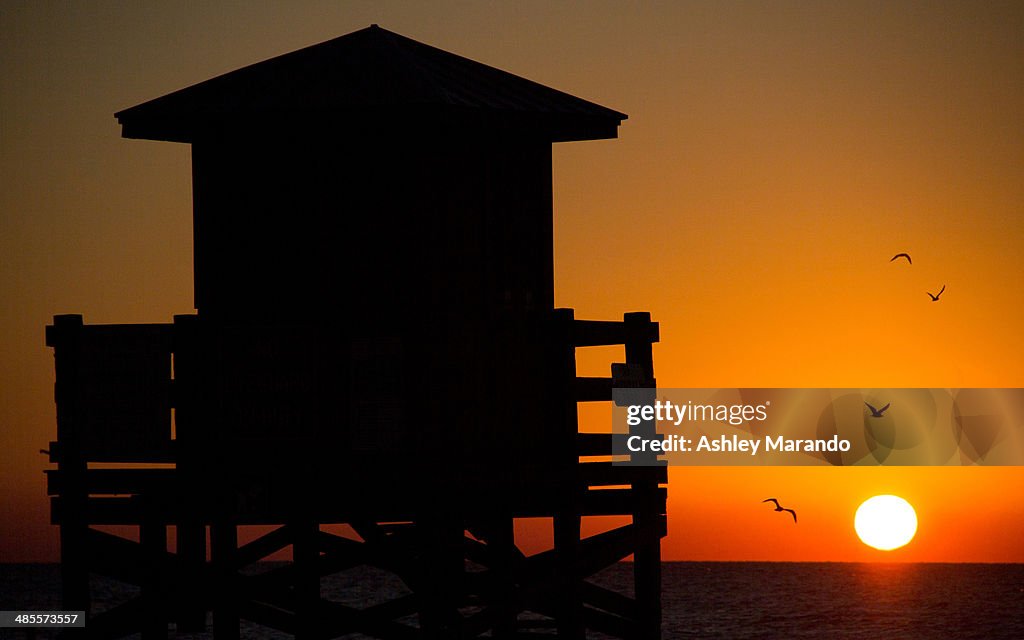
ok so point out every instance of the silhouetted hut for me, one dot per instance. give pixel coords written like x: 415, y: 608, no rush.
x: 375, y: 345
x: 395, y: 202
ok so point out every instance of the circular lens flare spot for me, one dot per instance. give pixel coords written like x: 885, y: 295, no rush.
x: 885, y: 522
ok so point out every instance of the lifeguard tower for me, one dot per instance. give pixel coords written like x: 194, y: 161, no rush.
x: 375, y: 345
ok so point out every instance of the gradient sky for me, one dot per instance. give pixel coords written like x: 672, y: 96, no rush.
x: 776, y: 156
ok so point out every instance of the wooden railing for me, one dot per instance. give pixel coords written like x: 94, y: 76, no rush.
x: 130, y: 394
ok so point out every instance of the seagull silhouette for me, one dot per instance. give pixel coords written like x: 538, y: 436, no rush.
x: 902, y: 255
x: 779, y: 507
x: 877, y: 413
x: 935, y: 298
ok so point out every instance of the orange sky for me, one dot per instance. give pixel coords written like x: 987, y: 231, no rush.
x: 775, y: 157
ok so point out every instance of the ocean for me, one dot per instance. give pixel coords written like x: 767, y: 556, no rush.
x: 721, y: 600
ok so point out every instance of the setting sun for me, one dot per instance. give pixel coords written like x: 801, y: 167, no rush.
x: 885, y: 522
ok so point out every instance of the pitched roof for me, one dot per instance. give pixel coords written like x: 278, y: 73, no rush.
x: 372, y: 69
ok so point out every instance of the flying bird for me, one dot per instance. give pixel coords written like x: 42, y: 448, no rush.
x: 877, y: 413
x: 902, y: 255
x: 779, y: 507
x: 935, y: 298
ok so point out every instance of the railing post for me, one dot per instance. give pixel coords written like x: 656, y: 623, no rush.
x: 153, y: 540
x: 567, y: 517
x: 647, y: 517
x: 191, y: 527
x: 65, y: 336
x: 501, y: 538
x: 439, y: 537
x: 224, y: 547
x: 305, y: 555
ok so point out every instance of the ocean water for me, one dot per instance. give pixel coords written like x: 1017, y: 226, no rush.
x: 741, y: 600
x: 723, y: 600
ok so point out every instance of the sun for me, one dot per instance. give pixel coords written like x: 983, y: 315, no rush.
x: 885, y: 522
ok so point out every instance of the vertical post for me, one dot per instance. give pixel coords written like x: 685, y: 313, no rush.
x: 192, y: 556
x: 65, y: 336
x: 305, y: 553
x: 216, y: 462
x: 501, y: 537
x: 442, y: 565
x: 648, y: 516
x: 191, y: 528
x: 567, y: 518
x: 569, y: 603
x: 153, y: 540
x: 224, y: 545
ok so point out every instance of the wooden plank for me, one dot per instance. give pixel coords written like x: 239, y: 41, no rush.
x: 394, y: 552
x: 594, y: 333
x: 626, y: 375
x: 276, y: 580
x: 599, y: 444
x: 113, y: 481
x: 264, y: 614
x: 331, y: 543
x: 55, y: 333
x: 607, y: 473
x: 115, y: 557
x: 127, y: 511
x: 612, y: 502
x: 587, y: 389
x: 166, y: 453
x: 605, y: 549
x: 611, y: 601
x: 602, y: 621
x: 609, y: 624
x: 263, y: 546
x: 98, y: 511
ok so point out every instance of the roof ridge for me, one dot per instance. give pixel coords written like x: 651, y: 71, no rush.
x: 360, y: 73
